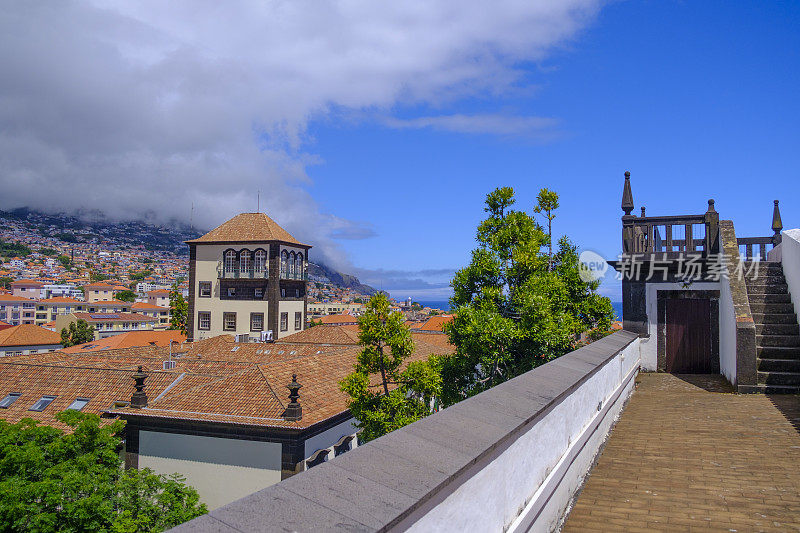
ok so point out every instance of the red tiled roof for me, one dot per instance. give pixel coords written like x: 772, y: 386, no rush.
x: 27, y: 283
x: 149, y: 307
x: 118, y: 317
x: 61, y: 300
x: 129, y: 340
x: 28, y: 335
x: 435, y: 323
x: 338, y: 319
x: 247, y: 227
x: 10, y: 298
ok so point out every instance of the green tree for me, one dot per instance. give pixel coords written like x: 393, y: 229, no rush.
x: 179, y: 310
x: 56, y: 481
x: 78, y: 332
x: 97, y: 276
x: 546, y: 203
x: 48, y: 251
x: 514, y: 308
x: 5, y: 282
x: 126, y: 296
x: 65, y: 261
x: 402, y: 392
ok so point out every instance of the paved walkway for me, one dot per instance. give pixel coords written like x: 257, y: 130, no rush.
x: 686, y: 455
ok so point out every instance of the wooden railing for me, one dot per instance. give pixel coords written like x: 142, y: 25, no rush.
x: 746, y: 244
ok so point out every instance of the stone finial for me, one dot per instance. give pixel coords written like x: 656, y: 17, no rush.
x: 777, y: 223
x: 711, y: 206
x: 139, y: 398
x: 627, y: 195
x: 293, y: 411
x: 643, y: 212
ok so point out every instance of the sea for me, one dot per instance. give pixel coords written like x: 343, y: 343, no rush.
x: 444, y: 305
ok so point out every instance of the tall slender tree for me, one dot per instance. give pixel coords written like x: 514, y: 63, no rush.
x: 546, y: 203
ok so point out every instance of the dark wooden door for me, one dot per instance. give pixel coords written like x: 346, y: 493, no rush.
x: 689, y: 336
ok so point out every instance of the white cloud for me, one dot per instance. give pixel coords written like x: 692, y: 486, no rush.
x: 136, y: 107
x: 491, y: 124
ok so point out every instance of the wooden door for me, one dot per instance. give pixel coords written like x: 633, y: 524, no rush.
x: 689, y: 336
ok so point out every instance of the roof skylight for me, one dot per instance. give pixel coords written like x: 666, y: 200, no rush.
x: 42, y: 403
x: 79, y: 404
x: 6, y: 402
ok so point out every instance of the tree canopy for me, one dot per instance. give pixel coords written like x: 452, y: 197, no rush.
x: 515, y: 307
x: 56, y: 481
x: 179, y: 310
x: 77, y: 332
x: 403, y: 392
x: 126, y: 296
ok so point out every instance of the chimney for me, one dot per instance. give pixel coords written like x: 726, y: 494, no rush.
x: 139, y: 398
x: 293, y: 411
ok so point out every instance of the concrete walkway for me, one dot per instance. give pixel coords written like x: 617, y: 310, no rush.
x: 689, y: 455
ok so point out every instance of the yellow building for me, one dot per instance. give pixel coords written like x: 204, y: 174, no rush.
x: 108, y: 324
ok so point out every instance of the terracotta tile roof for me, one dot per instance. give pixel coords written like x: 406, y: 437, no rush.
x: 27, y: 283
x: 28, y: 335
x: 338, y: 319
x: 158, y: 291
x: 149, y: 307
x: 10, y: 298
x: 131, y: 339
x: 435, y: 323
x: 247, y: 227
x: 99, y: 285
x: 61, y: 300
x: 325, y: 335
x: 113, y: 317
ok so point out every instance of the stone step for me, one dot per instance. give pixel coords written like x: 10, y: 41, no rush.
x: 778, y: 340
x: 778, y: 352
x: 779, y: 365
x: 777, y: 329
x: 768, y: 288
x: 768, y: 389
x: 773, y: 318
x: 769, y: 298
x: 764, y: 265
x: 779, y: 378
x: 757, y: 308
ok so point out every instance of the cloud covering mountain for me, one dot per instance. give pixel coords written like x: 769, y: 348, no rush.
x: 152, y: 107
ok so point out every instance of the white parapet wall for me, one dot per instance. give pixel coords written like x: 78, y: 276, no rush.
x: 509, y: 459
x: 790, y: 258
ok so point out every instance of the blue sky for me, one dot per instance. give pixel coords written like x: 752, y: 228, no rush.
x: 697, y: 99
x: 374, y: 129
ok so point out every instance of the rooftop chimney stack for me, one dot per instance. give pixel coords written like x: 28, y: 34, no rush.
x: 139, y: 398
x: 293, y: 411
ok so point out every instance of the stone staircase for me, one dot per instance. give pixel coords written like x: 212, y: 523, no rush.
x: 777, y: 329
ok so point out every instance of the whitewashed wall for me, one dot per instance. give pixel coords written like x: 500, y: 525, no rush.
x: 727, y: 332
x: 790, y: 257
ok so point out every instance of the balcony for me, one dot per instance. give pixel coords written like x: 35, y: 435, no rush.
x: 302, y: 276
x: 241, y: 274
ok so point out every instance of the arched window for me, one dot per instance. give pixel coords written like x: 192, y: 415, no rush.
x: 260, y: 261
x: 291, y: 265
x: 230, y: 261
x: 284, y: 261
x: 245, y: 263
x: 298, y: 266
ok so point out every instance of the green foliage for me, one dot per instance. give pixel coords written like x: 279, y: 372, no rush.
x: 515, y: 308
x: 126, y: 296
x: 48, y: 251
x: 66, y: 237
x: 546, y: 203
x: 179, y: 310
x: 5, y: 282
x: 56, y: 481
x: 65, y: 261
x: 13, y: 249
x: 403, y: 392
x: 97, y: 276
x: 78, y: 332
x: 139, y: 276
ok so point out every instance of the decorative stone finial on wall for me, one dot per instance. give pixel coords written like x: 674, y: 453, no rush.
x: 627, y: 195
x: 293, y: 411
x: 777, y: 224
x: 139, y: 398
